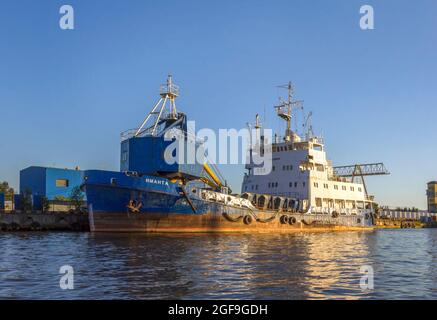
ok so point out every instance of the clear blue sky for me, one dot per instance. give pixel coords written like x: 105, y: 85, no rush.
x: 66, y: 95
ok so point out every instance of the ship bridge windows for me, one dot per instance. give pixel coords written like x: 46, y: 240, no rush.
x: 319, y: 167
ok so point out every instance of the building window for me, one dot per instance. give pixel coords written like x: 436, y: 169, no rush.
x: 325, y: 186
x: 290, y: 184
x: 335, y: 187
x: 295, y: 184
x: 316, y: 184
x: 352, y: 188
x: 359, y: 189
x: 343, y: 188
x: 62, y: 183
x: 273, y: 168
x: 303, y: 183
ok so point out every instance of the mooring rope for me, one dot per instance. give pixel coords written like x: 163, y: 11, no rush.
x: 228, y: 217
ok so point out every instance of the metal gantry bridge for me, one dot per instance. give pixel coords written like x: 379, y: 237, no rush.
x: 361, y: 170
x: 368, y: 169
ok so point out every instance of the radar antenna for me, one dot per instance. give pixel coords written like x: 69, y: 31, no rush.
x: 308, y: 126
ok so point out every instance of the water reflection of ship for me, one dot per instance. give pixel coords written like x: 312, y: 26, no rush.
x: 239, y: 266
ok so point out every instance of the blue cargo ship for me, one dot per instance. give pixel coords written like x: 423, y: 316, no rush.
x: 153, y: 194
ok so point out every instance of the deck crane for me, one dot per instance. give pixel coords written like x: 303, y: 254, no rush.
x: 162, y: 118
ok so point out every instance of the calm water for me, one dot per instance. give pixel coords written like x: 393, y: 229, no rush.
x: 300, y: 266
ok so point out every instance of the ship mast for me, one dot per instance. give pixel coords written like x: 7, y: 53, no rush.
x: 285, y: 109
x: 168, y: 92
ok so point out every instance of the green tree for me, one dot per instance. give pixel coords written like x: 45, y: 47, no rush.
x: 26, y: 200
x: 61, y: 198
x: 6, y: 189
x: 45, y: 204
x: 76, y: 197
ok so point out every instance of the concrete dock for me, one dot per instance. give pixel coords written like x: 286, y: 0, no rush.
x: 54, y: 221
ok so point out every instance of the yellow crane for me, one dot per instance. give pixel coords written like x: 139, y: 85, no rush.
x: 213, y: 180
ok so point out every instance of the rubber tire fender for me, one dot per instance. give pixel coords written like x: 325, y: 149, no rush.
x: 291, y: 220
x: 247, y: 220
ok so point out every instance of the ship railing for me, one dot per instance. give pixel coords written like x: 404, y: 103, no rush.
x: 226, y: 199
x: 125, y: 135
x: 342, y: 211
x: 169, y: 89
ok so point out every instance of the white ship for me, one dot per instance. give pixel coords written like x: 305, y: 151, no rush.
x: 301, y: 170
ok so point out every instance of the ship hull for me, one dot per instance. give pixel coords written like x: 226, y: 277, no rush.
x: 169, y: 207
x: 207, y: 223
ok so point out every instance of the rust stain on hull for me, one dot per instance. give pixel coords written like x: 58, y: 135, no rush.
x: 204, y: 223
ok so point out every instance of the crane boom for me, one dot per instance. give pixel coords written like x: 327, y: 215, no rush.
x: 212, y: 175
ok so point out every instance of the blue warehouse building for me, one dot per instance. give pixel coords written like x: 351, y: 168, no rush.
x: 50, y: 182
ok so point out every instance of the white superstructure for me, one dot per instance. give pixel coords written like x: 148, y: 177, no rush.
x: 301, y: 170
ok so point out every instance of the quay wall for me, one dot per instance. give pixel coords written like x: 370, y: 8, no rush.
x: 54, y: 221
